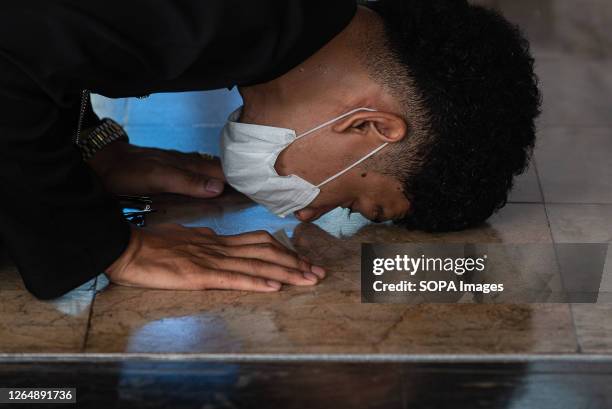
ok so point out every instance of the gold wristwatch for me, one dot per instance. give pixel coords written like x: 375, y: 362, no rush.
x: 97, y: 138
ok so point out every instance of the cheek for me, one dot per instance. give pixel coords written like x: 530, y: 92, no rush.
x: 375, y: 188
x: 385, y: 192
x: 336, y: 192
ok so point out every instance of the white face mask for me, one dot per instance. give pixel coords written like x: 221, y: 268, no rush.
x: 249, y: 153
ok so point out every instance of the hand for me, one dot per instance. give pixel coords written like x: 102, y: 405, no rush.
x: 129, y: 169
x: 173, y: 257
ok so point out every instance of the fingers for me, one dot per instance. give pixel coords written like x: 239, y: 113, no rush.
x: 186, y: 182
x: 259, y: 268
x: 271, y: 254
x: 254, y: 237
x: 263, y: 246
x: 196, y: 258
x: 229, y: 280
x: 206, y: 231
x: 202, y: 164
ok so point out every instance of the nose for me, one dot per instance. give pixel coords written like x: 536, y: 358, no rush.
x: 306, y: 215
x: 310, y: 214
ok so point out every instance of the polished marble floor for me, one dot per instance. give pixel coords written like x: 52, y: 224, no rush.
x: 565, y: 197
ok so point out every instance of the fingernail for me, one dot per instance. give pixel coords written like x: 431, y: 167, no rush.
x: 214, y: 185
x: 273, y: 284
x: 311, y: 277
x: 319, y: 271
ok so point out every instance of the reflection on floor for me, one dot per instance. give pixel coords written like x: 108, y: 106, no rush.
x: 288, y: 385
x: 565, y: 197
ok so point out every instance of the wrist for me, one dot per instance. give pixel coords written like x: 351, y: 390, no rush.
x: 100, y: 137
x: 106, y: 158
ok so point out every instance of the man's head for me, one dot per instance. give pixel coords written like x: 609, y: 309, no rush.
x: 456, y: 99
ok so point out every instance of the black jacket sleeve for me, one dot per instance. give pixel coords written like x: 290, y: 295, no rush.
x: 59, y: 224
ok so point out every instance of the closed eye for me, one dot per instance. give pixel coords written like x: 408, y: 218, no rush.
x: 378, y: 215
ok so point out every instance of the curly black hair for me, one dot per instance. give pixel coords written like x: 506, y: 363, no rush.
x: 474, y: 77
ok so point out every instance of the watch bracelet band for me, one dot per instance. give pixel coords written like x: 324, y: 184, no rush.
x: 102, y: 135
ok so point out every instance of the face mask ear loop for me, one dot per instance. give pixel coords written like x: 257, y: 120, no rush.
x: 374, y: 152
x: 334, y: 120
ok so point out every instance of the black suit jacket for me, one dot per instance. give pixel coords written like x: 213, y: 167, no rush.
x: 57, y: 221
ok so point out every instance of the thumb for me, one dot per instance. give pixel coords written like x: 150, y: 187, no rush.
x: 186, y: 182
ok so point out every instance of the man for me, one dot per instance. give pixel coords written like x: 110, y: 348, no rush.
x: 420, y: 112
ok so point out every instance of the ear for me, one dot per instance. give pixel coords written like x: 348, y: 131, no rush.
x: 385, y: 126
